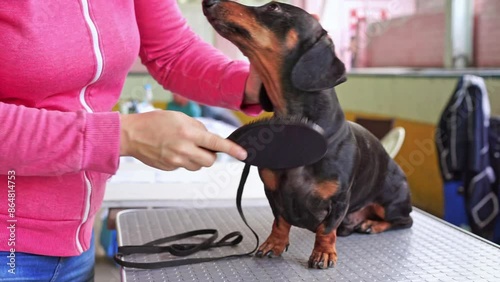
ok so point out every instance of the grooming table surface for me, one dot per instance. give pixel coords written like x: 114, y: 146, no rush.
x: 429, y: 251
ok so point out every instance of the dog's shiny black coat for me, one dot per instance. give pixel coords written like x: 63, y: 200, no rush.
x: 356, y: 160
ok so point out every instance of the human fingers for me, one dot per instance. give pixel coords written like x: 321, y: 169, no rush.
x: 164, y: 140
x: 191, y: 165
x: 216, y: 143
x: 200, y: 157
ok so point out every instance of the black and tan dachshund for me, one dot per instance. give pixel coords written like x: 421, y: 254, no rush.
x: 356, y: 187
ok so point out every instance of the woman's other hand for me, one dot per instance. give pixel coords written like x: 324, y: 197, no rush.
x: 168, y: 140
x: 252, y: 88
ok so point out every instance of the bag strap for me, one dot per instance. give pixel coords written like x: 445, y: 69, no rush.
x: 181, y: 250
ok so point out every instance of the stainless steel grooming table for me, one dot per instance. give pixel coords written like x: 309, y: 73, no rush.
x: 431, y: 250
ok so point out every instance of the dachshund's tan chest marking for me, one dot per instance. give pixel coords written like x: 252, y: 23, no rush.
x: 269, y: 178
x: 326, y: 189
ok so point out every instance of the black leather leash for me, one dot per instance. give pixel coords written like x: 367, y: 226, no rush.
x: 181, y: 250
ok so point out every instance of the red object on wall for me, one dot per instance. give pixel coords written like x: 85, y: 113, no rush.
x: 353, y: 22
x: 383, y: 15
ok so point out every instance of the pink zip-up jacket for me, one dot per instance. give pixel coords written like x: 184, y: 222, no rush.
x: 62, y: 68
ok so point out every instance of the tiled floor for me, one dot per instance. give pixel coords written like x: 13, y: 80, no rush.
x: 106, y: 270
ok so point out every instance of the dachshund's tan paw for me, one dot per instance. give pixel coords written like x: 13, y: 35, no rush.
x: 272, y: 247
x: 322, y: 260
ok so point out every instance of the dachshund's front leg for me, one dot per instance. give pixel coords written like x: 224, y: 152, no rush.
x: 277, y: 241
x: 324, y: 254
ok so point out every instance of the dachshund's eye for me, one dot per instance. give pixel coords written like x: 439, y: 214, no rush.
x: 273, y: 7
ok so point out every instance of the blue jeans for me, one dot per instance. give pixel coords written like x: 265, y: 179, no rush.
x: 30, y: 267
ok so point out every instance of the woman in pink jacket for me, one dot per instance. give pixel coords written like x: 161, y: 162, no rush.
x: 63, y: 66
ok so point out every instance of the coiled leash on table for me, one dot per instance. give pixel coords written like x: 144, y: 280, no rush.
x: 288, y: 142
x: 182, y: 250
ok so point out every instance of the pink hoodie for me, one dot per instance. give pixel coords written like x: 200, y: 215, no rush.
x: 63, y: 65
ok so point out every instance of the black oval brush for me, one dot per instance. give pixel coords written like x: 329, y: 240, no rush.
x: 281, y: 143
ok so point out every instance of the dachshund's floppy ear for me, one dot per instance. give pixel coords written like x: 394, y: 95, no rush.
x: 264, y: 100
x: 318, y: 68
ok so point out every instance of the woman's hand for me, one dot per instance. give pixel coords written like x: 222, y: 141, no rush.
x: 168, y: 140
x: 252, y: 88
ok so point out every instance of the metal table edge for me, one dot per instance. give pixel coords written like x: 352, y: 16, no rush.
x: 457, y: 228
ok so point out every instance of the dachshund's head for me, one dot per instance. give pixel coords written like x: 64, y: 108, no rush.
x: 286, y: 45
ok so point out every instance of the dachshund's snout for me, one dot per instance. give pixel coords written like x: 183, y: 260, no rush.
x: 209, y: 8
x: 209, y: 3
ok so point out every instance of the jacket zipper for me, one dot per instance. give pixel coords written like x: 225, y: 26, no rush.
x: 86, y: 106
